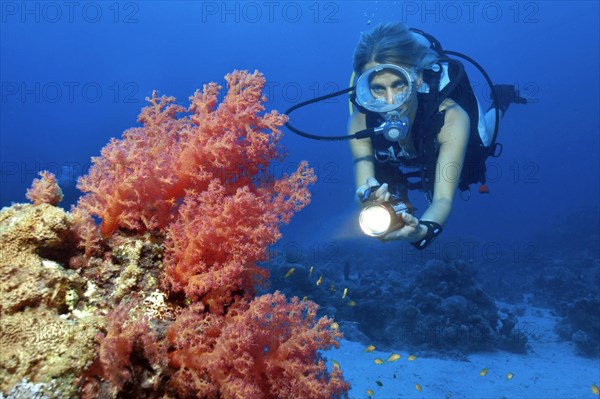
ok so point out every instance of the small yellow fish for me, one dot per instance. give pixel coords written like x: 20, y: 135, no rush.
x: 345, y: 293
x: 352, y: 303
x: 312, y: 268
x: 320, y: 281
x: 595, y: 390
x: 483, y: 372
x: 509, y: 376
x: 290, y: 272
x: 335, y: 364
x: 370, y: 392
x: 332, y: 288
x: 335, y: 326
x: 411, y: 358
x: 378, y: 361
x: 370, y: 348
x: 418, y: 387
x: 393, y: 357
x: 305, y: 298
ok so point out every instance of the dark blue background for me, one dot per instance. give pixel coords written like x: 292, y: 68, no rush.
x: 548, y: 171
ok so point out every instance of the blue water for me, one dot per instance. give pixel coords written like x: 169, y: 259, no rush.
x: 75, y: 75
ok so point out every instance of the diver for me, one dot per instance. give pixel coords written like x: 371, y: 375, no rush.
x: 415, y: 124
x: 393, y: 64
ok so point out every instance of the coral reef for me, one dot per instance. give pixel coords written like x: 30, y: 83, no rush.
x: 160, y: 298
x: 439, y: 306
x: 43, y: 336
x: 581, y: 325
x: 559, y: 270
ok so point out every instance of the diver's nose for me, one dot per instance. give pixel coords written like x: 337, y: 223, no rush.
x: 389, y: 96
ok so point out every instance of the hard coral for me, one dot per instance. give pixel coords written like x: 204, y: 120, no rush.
x: 42, y: 338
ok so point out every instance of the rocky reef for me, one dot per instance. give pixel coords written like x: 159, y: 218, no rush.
x: 439, y: 306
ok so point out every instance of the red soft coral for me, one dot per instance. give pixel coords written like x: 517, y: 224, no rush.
x: 202, y: 179
x: 217, y: 238
x: 128, y: 333
x: 264, y: 349
x: 134, y: 184
x: 45, y: 190
x: 140, y: 180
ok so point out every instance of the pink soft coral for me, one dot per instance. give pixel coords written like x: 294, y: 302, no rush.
x: 217, y: 238
x: 45, y: 190
x: 264, y: 349
x: 139, y: 181
x: 133, y: 184
x: 199, y: 177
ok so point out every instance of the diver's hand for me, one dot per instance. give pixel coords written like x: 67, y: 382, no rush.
x: 411, y: 231
x: 380, y: 194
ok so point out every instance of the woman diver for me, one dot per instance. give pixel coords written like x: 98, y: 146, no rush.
x: 415, y: 124
x: 429, y: 118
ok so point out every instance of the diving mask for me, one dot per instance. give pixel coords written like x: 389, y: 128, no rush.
x: 373, y: 85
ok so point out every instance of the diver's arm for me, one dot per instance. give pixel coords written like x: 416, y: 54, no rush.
x: 362, y: 150
x: 453, y: 139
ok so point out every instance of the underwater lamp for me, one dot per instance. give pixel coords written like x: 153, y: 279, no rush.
x: 379, y: 218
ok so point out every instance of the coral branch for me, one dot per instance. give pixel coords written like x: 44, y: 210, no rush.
x: 45, y: 190
x: 264, y: 349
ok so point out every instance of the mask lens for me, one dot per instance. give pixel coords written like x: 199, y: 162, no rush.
x: 384, y: 88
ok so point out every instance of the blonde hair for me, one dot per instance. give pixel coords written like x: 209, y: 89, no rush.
x: 392, y: 43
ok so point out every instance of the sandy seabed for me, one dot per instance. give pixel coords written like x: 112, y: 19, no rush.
x: 550, y: 370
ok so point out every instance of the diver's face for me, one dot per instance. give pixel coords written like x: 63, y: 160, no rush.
x: 390, y: 86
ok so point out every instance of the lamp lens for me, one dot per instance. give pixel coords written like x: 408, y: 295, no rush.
x: 375, y: 220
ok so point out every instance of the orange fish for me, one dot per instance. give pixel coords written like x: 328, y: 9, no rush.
x: 370, y: 348
x: 320, y: 281
x: 393, y: 357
